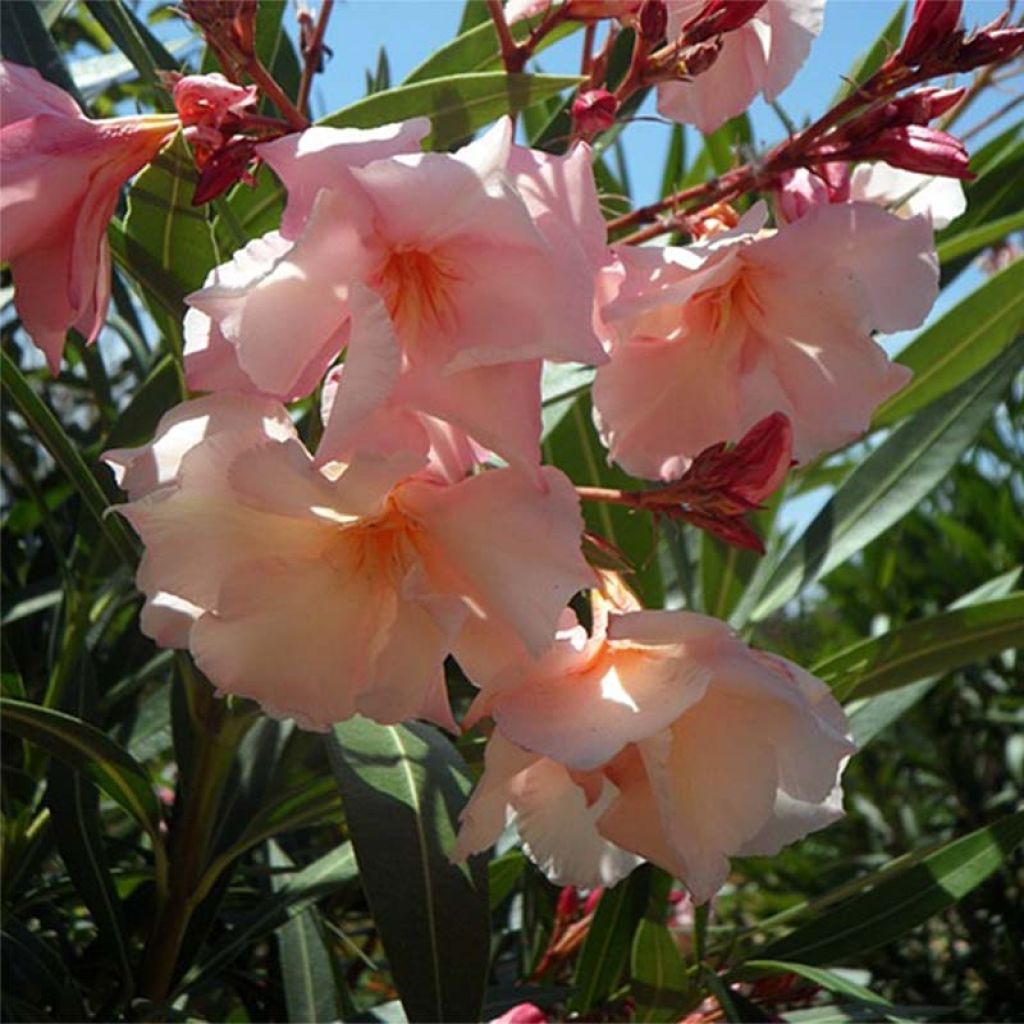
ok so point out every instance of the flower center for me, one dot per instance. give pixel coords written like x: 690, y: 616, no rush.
x: 726, y: 306
x: 418, y: 287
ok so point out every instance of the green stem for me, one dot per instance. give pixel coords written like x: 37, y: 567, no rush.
x: 217, y: 734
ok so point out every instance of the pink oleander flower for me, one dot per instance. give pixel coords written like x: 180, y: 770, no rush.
x: 708, y: 339
x: 448, y: 244
x: 522, y: 1013
x: 325, y: 592
x: 661, y: 736
x: 62, y: 174
x: 940, y: 200
x: 211, y: 100
x: 761, y: 56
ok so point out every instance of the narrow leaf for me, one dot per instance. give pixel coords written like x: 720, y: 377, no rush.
x: 658, y: 973
x: 890, y: 482
x: 89, y: 751
x: 931, y: 646
x: 403, y: 788
x: 900, y: 903
x: 968, y: 337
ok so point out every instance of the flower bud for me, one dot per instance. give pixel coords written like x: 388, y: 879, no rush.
x: 568, y: 903
x: 223, y: 168
x: 522, y: 1013
x: 932, y: 26
x: 210, y: 100
x: 721, y: 16
x: 991, y: 44
x: 653, y: 20
x: 920, y: 149
x: 594, y: 111
x: 697, y: 59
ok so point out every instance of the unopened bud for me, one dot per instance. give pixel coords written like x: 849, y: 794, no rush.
x: 211, y: 100
x: 991, y: 44
x: 932, y: 30
x: 568, y: 903
x: 697, y: 59
x: 223, y: 169
x: 720, y: 16
x: 920, y: 149
x: 594, y: 111
x: 653, y: 20
x: 229, y: 27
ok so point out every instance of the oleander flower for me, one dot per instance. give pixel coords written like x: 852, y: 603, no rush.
x: 940, y: 200
x: 62, y: 174
x: 661, y: 736
x: 325, y: 592
x: 708, y: 339
x: 449, y: 243
x: 761, y: 56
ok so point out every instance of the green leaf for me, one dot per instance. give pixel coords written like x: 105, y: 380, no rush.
x: 477, y: 50
x: 898, y: 904
x: 607, y: 947
x: 163, y: 223
x: 91, y: 752
x: 321, y: 878
x: 928, y: 647
x: 658, y: 973
x: 960, y: 343
x: 309, y: 988
x: 890, y: 482
x: 725, y: 569
x: 25, y: 39
x: 74, y: 816
x: 48, y: 431
x: 968, y: 242
x: 870, y: 717
x: 275, y: 49
x: 456, y: 105
x: 675, y: 161
x: 37, y: 974
x: 574, y: 447
x: 866, y: 65
x: 137, y: 43
x: 403, y: 788
x: 503, y: 874
x: 831, y: 982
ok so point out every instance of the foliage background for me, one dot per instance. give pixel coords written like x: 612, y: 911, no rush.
x: 295, y: 858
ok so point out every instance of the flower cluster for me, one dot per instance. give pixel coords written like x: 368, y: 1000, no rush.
x: 418, y: 295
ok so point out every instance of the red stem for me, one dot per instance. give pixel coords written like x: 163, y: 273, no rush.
x: 313, y: 55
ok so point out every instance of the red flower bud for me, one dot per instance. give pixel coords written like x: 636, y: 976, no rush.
x: 991, y: 44
x: 568, y: 903
x: 917, y: 148
x: 653, y: 20
x: 211, y: 100
x: 223, y: 168
x: 932, y: 28
x: 720, y: 16
x: 594, y: 111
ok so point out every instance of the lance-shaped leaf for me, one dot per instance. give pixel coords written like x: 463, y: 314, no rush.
x: 890, y: 482
x: 658, y: 973
x: 970, y: 335
x: 903, y: 901
x: 403, y: 787
x: 91, y: 752
x: 937, y: 644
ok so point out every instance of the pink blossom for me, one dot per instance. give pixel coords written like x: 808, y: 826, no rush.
x: 522, y: 1013
x: 761, y: 56
x: 709, y: 339
x: 940, y: 200
x: 62, y: 174
x: 445, y: 246
x: 660, y: 737
x: 325, y: 592
x: 211, y: 100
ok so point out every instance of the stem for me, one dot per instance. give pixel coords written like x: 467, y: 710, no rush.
x: 610, y: 496
x: 512, y: 55
x: 217, y: 735
x: 273, y: 92
x: 313, y: 56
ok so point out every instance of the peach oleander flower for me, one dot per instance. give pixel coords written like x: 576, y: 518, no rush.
x: 322, y: 593
x: 708, y: 339
x: 661, y: 736
x: 761, y: 56
x: 449, y: 244
x: 62, y: 174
